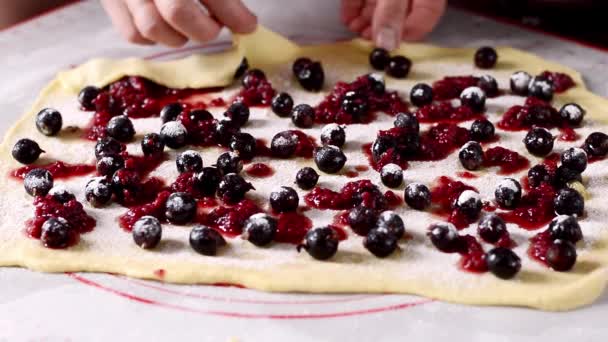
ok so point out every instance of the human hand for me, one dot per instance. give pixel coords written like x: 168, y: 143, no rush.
x: 174, y: 22
x: 387, y: 22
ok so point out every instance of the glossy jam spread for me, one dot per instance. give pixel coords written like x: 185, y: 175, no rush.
x: 535, y: 209
x: 331, y: 108
x: 444, y: 194
x: 508, y: 161
x: 292, y: 227
x: 539, y: 244
x: 259, y: 170
x: 445, y: 112
x: 473, y: 258
x: 361, y: 192
x: 450, y: 87
x: 58, y: 169
x: 259, y: 93
x: 229, y: 220
x: 561, y: 81
x: 155, y: 208
x: 47, y: 207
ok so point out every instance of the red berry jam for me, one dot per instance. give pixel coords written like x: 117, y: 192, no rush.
x: 259, y: 170
x: 331, y: 109
x: 361, y: 192
x: 185, y: 183
x: 230, y: 220
x: 260, y: 92
x: 306, y: 144
x: 392, y: 199
x: 201, y: 131
x: 155, y: 208
x: 561, y: 82
x: 539, y: 244
x: 568, y: 134
x: 73, y: 211
x: 533, y: 113
x: 143, y: 165
x: 292, y: 227
x: 535, y: 209
x: 445, y: 112
x: 466, y: 175
x: 444, y: 194
x: 450, y: 87
x: 473, y: 257
x: 508, y: 161
x: 58, y: 169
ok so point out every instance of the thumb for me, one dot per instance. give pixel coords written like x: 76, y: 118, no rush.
x: 387, y: 23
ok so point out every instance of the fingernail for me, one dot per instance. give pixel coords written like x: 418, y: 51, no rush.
x: 387, y: 38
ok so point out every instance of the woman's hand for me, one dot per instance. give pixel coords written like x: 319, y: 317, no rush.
x: 388, y: 22
x: 174, y: 22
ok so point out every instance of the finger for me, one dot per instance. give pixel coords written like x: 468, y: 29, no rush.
x: 190, y: 18
x: 151, y: 25
x: 359, y: 23
x: 350, y: 9
x: 122, y: 20
x: 387, y: 23
x: 424, y: 17
x: 234, y: 14
x: 367, y: 33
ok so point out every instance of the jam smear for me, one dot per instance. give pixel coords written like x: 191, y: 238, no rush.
x: 508, y: 161
x: 330, y: 108
x: 259, y: 94
x: 143, y: 165
x: 47, y: 207
x: 561, y: 81
x: 535, y: 209
x: 392, y: 199
x: 155, y: 208
x: 142, y: 193
x: 466, y: 175
x: 362, y: 168
x: 341, y: 233
x: 58, y: 169
x: 306, y: 144
x: 450, y: 87
x: 352, y: 194
x: 444, y: 194
x: 533, y: 113
x: 259, y: 170
x: 445, y: 112
x: 568, y: 134
x: 229, y: 220
x: 292, y: 227
x: 473, y: 257
x: 539, y: 244
x: 201, y: 129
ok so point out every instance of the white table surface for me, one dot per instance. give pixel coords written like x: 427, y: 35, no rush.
x: 43, y: 307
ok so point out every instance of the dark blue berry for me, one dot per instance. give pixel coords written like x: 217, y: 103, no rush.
x: 125, y: 180
x: 488, y: 84
x: 207, y: 181
x: 519, y: 82
x: 474, y: 98
x: 244, y: 144
x: 381, y: 145
x: 206, y: 241
x: 252, y: 78
x: 225, y: 130
x: 561, y: 255
x: 565, y: 175
x: 596, y: 144
x: 311, y: 76
x: 444, y: 237
x: 541, y: 88
x: 61, y: 194
x: 98, y: 192
x: 307, y: 178
x: 170, y: 112
x: 56, y: 233
x: 284, y: 144
x: 329, y: 159
x: 380, y: 242
x: 189, y: 161
x: 469, y: 204
x: 152, y: 145
x: 303, y: 116
x: 503, y: 262
x: 121, y: 128
x: 482, y: 130
x: 26, y: 151
x: 232, y: 188
x: 569, y: 202
x: 421, y: 95
x: 198, y: 116
x: 471, y: 155
x: 108, y: 146
x: 180, y: 208
x: 399, y: 67
x: 238, y: 113
x: 565, y: 227
x: 391, y: 175
x: 376, y: 83
x: 174, y: 134
x: 491, y: 228
x: 321, y: 243
x: 86, y: 97
x: 486, y: 57
x: 575, y: 159
x: 260, y: 229
x: 282, y: 104
x: 407, y: 121
x: 229, y: 162
x: 147, y: 232
x: 38, y: 182
x: 392, y: 222
x: 538, y: 174
x: 355, y: 104
x: 240, y: 70
x: 49, y: 121
x: 285, y: 199
x: 379, y: 58
x: 299, y: 64
x: 333, y: 134
x: 107, y: 165
x: 572, y: 114
x: 508, y: 193
x: 417, y: 196
x: 539, y: 141
x: 362, y: 219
